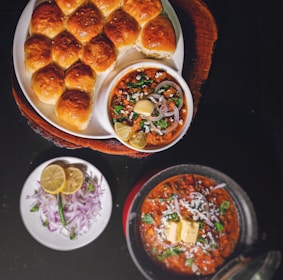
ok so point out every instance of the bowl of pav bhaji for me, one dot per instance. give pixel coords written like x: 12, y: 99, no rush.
x: 187, y: 222
x: 150, y: 106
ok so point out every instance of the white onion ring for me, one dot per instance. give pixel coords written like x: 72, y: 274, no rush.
x: 174, y: 85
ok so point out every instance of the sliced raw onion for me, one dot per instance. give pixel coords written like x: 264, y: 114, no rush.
x: 174, y: 85
x: 81, y: 209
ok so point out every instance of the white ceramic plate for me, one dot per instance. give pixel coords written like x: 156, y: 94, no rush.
x: 97, y: 128
x: 55, y: 240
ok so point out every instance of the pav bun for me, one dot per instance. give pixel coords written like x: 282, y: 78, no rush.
x: 143, y: 10
x: 122, y: 29
x: 47, y: 19
x: 158, y: 38
x: 37, y: 50
x: 85, y: 23
x: 74, y: 109
x: 69, y: 6
x: 107, y: 6
x: 81, y: 77
x: 48, y: 83
x: 66, y: 49
x: 99, y: 54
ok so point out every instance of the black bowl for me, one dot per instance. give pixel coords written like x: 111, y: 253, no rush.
x: 150, y: 269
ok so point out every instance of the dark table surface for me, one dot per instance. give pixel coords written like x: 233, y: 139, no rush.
x: 237, y: 130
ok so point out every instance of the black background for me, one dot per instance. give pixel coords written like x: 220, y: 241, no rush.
x: 237, y: 130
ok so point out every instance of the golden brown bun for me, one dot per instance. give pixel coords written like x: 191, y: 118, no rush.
x: 85, y: 23
x: 74, y: 109
x: 69, y: 6
x: 37, y: 52
x: 99, y: 54
x: 47, y: 19
x: 65, y: 49
x: 48, y: 83
x: 142, y: 10
x: 81, y: 77
x: 122, y: 29
x: 158, y: 38
x: 107, y: 6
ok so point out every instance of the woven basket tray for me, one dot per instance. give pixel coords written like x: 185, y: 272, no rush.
x: 200, y: 35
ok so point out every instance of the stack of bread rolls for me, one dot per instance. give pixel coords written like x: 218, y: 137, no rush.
x: 70, y: 42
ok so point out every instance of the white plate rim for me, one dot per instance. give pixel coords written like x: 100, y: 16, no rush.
x: 55, y: 240
x: 97, y: 128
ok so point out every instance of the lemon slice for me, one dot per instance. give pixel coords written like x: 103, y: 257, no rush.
x: 74, y: 180
x: 123, y: 131
x: 138, y: 140
x: 53, y: 178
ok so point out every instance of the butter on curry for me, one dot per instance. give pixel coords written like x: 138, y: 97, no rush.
x: 189, y: 224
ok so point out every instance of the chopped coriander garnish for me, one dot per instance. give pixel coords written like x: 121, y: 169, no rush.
x: 118, y: 109
x: 224, y: 206
x: 147, y: 218
x: 219, y: 226
x: 189, y: 262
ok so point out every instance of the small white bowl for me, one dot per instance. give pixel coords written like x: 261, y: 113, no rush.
x: 188, y: 100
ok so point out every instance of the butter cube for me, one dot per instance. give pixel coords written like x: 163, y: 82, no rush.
x: 144, y: 107
x: 172, y: 232
x: 189, y: 231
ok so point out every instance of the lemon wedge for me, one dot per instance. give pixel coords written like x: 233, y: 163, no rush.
x: 123, y: 131
x: 74, y: 180
x: 138, y: 140
x: 53, y: 178
x: 144, y: 107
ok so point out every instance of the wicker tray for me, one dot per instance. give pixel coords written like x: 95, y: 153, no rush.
x: 200, y: 35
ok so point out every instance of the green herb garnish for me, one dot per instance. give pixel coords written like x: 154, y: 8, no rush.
x: 218, y: 226
x: 224, y: 206
x: 118, y: 109
x: 147, y: 218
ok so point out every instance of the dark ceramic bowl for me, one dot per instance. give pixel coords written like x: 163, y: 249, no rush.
x: 247, y: 217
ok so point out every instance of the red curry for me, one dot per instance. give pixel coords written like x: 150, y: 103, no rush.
x: 205, y: 208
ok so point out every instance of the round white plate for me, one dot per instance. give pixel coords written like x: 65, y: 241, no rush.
x: 97, y: 128
x: 55, y: 240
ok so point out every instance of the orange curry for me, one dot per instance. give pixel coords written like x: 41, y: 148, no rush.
x: 189, y: 224
x: 163, y: 123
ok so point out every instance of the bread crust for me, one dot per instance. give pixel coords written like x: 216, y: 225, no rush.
x: 80, y: 77
x: 47, y: 19
x: 37, y: 50
x: 107, y: 6
x: 122, y: 29
x: 85, y: 23
x: 143, y: 10
x: 48, y: 83
x: 74, y: 109
x: 66, y: 49
x: 69, y: 6
x: 158, y: 38
x: 99, y: 54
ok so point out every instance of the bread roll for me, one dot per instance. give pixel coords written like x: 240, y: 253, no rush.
x: 107, y: 6
x: 85, y: 23
x: 65, y: 49
x: 48, y: 83
x: 122, y: 29
x: 37, y: 52
x: 47, y: 19
x: 142, y: 10
x: 99, y: 54
x: 81, y: 77
x: 69, y: 6
x: 157, y: 38
x: 74, y: 109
